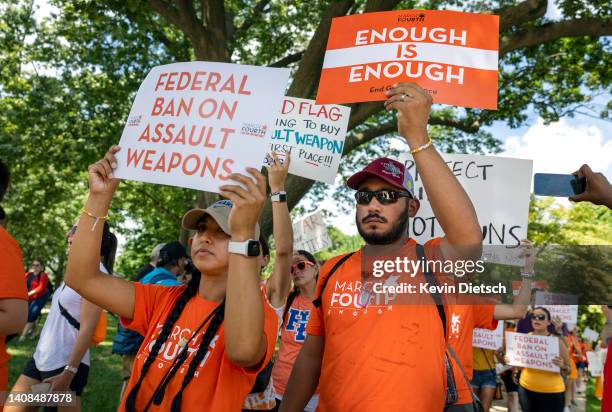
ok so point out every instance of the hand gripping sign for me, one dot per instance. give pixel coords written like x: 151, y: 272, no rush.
x: 193, y: 124
x: 453, y: 55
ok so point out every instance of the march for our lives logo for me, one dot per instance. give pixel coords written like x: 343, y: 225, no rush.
x: 296, y: 322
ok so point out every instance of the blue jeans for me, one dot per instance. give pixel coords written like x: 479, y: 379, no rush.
x: 484, y: 379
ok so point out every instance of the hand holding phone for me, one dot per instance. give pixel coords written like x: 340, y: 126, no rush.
x: 598, y: 190
x: 548, y: 184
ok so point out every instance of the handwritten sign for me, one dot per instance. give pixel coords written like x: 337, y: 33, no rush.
x: 499, y: 190
x: 590, y: 334
x: 314, y: 134
x: 559, y: 305
x: 453, y: 55
x: 310, y: 233
x: 192, y: 124
x: 532, y: 351
x: 488, y: 339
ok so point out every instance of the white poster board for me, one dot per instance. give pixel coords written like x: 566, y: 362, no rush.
x: 310, y: 233
x: 314, y: 134
x: 590, y: 334
x: 559, y: 305
x: 596, y: 362
x: 532, y: 351
x: 488, y: 339
x: 499, y: 188
x: 192, y: 124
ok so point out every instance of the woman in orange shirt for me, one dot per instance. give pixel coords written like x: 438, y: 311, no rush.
x: 305, y: 271
x: 217, y: 331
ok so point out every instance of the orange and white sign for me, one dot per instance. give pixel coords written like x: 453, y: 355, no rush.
x: 453, y: 55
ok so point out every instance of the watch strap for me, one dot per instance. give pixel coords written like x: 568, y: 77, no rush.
x: 279, y: 196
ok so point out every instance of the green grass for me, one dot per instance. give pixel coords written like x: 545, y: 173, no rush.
x: 104, y: 383
x: 592, y: 403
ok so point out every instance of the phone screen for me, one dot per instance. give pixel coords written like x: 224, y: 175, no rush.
x: 547, y: 184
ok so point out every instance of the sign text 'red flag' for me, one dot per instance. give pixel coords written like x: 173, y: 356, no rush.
x: 452, y: 55
x: 193, y: 124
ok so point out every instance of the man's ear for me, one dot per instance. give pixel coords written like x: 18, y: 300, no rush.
x: 413, y: 207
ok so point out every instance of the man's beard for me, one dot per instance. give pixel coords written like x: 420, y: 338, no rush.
x: 392, y: 235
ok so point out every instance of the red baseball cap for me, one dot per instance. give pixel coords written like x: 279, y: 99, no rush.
x: 389, y: 170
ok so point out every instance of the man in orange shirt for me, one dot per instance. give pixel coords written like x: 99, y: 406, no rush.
x: 13, y: 291
x: 464, y: 318
x: 371, y: 354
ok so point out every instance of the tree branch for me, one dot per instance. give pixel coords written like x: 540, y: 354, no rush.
x: 248, y: 21
x: 553, y: 31
x: 520, y: 13
x: 184, y: 17
x: 167, y: 11
x: 306, y: 77
x: 287, y: 60
x: 379, y: 5
x: 211, y: 44
x: 357, y: 139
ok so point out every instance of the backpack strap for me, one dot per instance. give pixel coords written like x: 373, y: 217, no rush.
x: 476, y: 400
x: 73, y: 322
x: 317, y: 302
x: 420, y: 251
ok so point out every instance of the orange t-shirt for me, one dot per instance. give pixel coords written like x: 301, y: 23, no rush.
x: 463, y: 320
x: 292, y: 336
x: 12, y: 286
x: 381, y: 357
x: 218, y: 384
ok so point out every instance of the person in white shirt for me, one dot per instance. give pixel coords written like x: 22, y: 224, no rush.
x: 61, y: 358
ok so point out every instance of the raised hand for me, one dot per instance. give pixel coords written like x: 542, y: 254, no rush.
x: 101, y: 179
x: 277, y: 171
x: 248, y: 201
x: 412, y: 103
x: 527, y: 252
x: 598, y: 190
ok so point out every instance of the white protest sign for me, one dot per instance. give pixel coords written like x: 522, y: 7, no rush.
x: 488, y: 339
x: 314, y: 134
x: 559, y: 305
x: 310, y: 233
x: 192, y: 124
x: 590, y: 334
x: 499, y: 189
x: 596, y: 362
x: 532, y: 351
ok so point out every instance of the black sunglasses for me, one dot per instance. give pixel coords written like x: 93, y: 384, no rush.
x: 384, y: 196
x: 538, y: 317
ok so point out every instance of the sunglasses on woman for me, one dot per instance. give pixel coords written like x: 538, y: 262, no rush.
x: 301, y: 265
x: 538, y: 317
x: 384, y: 196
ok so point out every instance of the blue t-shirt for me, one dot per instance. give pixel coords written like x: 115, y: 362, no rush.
x: 160, y: 276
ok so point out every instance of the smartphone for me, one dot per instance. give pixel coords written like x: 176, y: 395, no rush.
x: 43, y: 387
x: 548, y: 184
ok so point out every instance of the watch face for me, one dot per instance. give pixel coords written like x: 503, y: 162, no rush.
x: 253, y: 248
